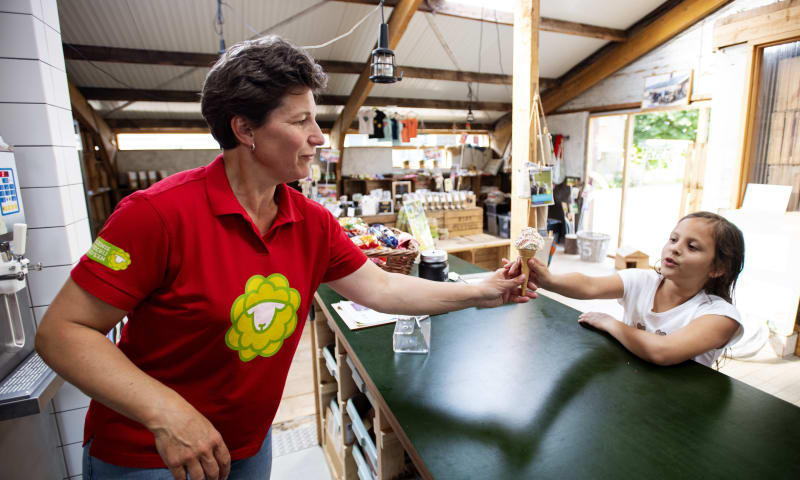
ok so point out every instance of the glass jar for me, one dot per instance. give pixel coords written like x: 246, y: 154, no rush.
x: 433, y: 265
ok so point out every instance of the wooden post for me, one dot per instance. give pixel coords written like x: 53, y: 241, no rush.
x: 525, y: 87
x: 626, y: 152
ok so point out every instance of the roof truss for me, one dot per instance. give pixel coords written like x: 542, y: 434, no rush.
x: 444, y: 7
x: 190, y: 59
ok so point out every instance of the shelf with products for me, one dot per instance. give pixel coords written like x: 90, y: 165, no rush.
x: 352, y: 427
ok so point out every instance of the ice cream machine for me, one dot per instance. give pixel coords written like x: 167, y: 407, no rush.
x: 21, y: 370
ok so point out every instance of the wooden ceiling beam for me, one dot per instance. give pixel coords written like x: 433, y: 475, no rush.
x: 94, y: 53
x: 139, y: 95
x: 189, y: 59
x: 131, y: 125
x: 490, y: 15
x: 640, y: 42
x: 87, y: 116
x: 420, y: 103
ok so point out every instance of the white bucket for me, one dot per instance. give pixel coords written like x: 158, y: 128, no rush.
x: 592, y: 246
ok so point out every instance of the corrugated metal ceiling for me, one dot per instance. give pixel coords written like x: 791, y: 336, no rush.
x: 188, y: 26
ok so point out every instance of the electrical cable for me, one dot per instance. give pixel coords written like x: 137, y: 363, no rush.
x: 322, y: 45
x: 218, y: 22
x: 309, y: 47
x: 499, y: 51
x: 194, y: 69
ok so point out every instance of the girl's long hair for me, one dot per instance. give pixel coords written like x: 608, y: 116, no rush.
x: 728, y: 254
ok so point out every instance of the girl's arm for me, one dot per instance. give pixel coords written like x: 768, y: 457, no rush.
x: 699, y: 336
x: 573, y: 285
x: 71, y: 339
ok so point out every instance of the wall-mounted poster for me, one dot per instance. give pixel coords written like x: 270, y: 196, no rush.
x: 329, y: 155
x: 541, y: 185
x: 666, y: 90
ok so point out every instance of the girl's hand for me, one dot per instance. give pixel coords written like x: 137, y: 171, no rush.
x: 600, y: 321
x: 504, y: 287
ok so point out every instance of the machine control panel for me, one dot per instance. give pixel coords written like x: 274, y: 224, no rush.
x: 9, y: 199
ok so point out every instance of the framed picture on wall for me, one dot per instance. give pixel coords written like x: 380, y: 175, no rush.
x: 398, y: 189
x: 667, y: 90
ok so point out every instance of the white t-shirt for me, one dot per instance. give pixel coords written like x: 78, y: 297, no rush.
x: 365, y: 119
x: 640, y: 289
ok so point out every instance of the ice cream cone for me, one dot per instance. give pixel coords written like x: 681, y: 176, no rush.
x: 526, y: 254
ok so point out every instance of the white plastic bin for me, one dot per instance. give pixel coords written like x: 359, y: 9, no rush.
x: 592, y: 246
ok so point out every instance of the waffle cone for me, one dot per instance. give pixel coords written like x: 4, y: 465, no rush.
x: 526, y: 254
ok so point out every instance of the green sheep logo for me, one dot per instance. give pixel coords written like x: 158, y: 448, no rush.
x: 263, y: 317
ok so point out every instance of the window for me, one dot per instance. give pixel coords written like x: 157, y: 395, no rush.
x: 166, y: 141
x: 775, y: 157
x: 424, y: 151
x: 645, y: 171
x: 175, y: 141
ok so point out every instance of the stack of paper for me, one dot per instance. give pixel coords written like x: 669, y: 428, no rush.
x: 358, y: 316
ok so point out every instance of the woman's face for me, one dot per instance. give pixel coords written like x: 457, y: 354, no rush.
x: 286, y: 143
x: 689, y: 252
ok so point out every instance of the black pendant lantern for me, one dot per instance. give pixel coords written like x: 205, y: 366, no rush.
x: 382, y: 68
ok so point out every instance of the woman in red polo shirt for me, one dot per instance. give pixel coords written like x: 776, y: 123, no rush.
x: 215, y: 269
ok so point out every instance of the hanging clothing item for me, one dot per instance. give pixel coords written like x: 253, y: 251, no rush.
x: 365, y: 119
x: 410, y: 129
x: 387, y: 130
x: 395, y: 131
x: 378, y: 124
x: 400, y: 129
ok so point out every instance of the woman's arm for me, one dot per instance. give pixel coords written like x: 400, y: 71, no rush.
x: 699, y: 336
x: 574, y: 285
x: 404, y: 294
x: 71, y: 339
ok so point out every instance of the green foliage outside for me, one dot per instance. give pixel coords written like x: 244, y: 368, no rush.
x: 670, y: 125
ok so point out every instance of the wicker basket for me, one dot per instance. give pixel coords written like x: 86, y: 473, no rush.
x: 398, y: 260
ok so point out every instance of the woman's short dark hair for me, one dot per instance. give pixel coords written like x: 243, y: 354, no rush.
x: 728, y: 254
x: 251, y: 79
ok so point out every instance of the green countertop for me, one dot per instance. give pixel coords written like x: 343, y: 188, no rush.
x: 523, y: 391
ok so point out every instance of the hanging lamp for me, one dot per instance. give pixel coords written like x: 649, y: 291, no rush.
x: 382, y: 68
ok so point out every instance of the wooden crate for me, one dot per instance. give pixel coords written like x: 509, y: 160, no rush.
x: 468, y: 221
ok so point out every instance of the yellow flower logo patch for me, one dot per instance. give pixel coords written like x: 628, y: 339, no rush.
x: 109, y: 255
x: 263, y: 317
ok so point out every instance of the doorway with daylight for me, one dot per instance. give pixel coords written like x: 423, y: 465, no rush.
x: 644, y: 171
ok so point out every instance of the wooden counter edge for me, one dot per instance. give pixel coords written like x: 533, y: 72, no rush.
x: 401, y: 434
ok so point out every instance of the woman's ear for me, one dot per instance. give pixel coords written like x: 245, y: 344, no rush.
x: 242, y: 130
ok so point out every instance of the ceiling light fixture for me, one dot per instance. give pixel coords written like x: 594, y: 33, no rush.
x: 382, y: 68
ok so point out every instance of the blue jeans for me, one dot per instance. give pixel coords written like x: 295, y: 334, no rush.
x: 256, y: 467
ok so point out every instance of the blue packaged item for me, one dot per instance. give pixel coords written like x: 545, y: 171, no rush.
x: 384, y: 235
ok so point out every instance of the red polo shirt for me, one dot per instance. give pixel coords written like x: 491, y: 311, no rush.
x: 215, y: 309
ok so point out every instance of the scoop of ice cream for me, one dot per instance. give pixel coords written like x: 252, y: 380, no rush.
x: 529, y: 239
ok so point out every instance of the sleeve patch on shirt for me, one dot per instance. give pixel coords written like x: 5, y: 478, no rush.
x: 109, y: 255
x: 263, y: 317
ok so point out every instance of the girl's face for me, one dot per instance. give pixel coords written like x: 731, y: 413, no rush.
x: 286, y: 143
x: 689, y: 253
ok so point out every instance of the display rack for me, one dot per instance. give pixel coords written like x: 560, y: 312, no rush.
x: 346, y: 408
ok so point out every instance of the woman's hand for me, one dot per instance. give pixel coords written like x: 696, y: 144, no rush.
x: 504, y: 287
x: 539, y: 273
x: 189, y: 444
x: 600, y: 321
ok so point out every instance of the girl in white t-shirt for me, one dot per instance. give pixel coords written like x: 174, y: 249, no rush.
x: 681, y: 312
